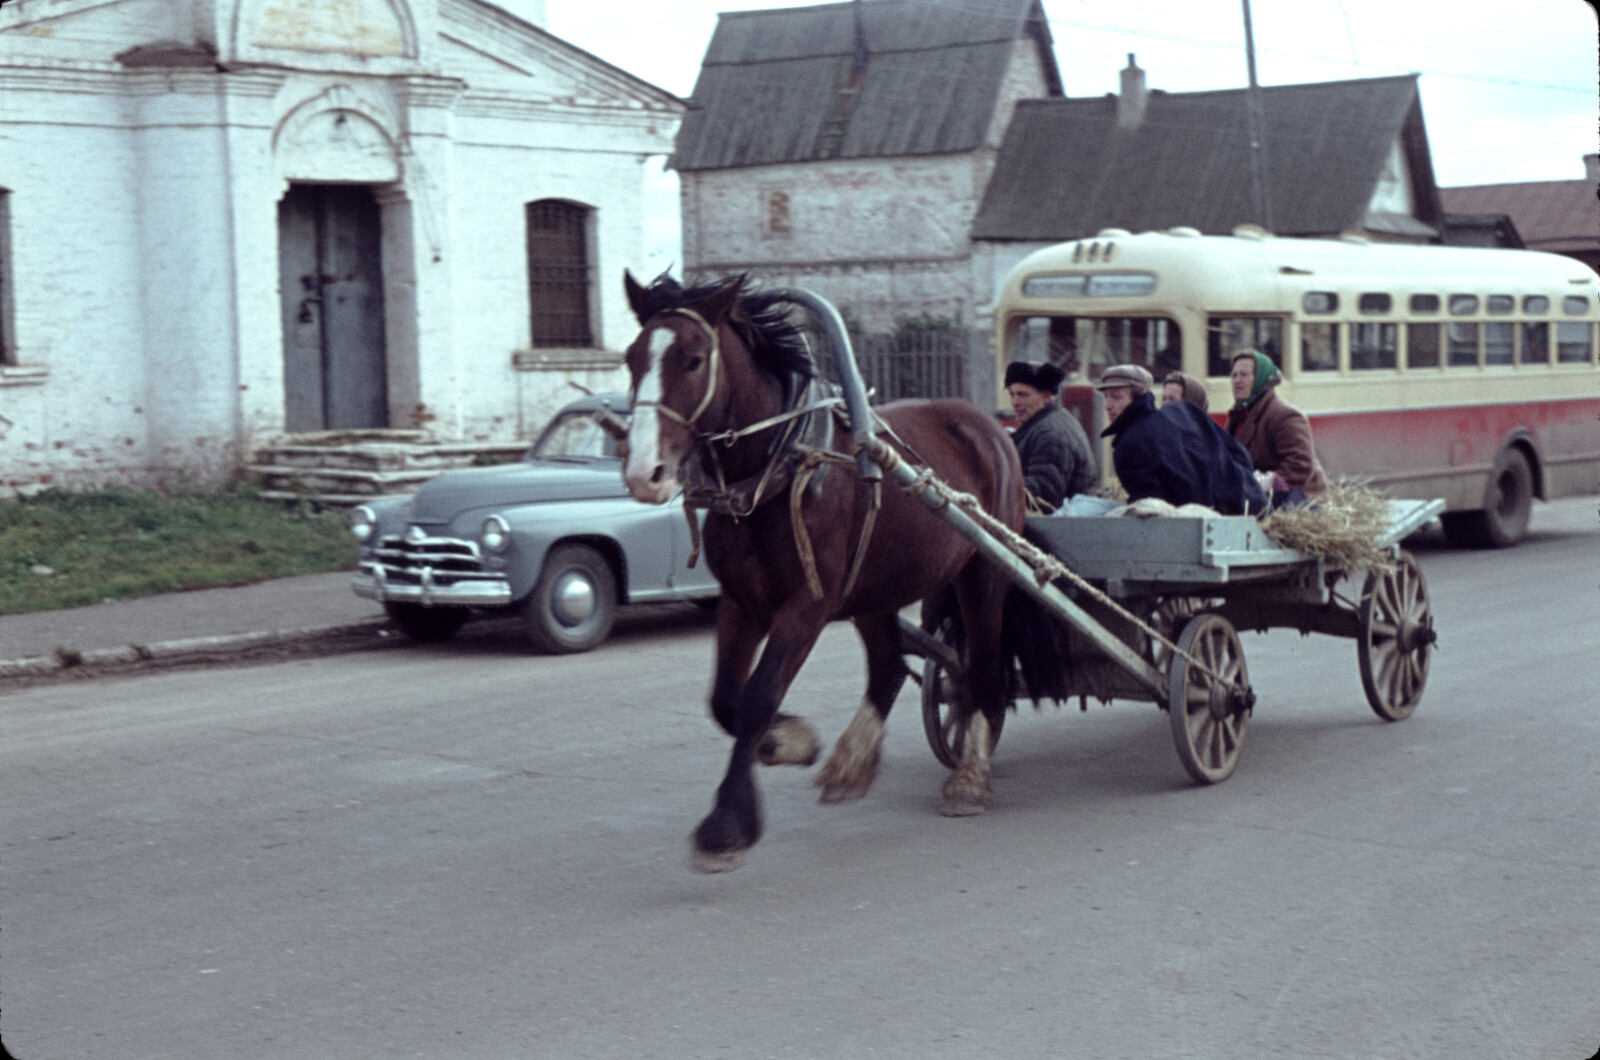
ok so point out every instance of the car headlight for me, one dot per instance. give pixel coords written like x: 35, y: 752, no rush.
x: 363, y: 524
x: 496, y: 534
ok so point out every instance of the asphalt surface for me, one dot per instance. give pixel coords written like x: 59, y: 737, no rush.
x: 288, y: 612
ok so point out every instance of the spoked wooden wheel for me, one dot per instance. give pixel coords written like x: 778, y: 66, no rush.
x: 1209, y: 704
x: 941, y: 720
x: 1396, y: 639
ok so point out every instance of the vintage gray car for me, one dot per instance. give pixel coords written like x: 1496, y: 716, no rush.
x: 555, y: 538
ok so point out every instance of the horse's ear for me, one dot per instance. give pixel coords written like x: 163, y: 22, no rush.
x: 636, y: 295
x: 719, y: 305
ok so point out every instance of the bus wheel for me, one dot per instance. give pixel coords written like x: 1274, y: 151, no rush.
x: 1507, y: 504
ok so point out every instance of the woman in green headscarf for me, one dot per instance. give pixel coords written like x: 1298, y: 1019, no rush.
x: 1275, y: 433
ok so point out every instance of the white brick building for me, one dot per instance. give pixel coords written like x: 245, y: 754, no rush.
x: 224, y: 220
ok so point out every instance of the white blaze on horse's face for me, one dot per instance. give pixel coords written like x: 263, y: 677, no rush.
x: 648, y: 477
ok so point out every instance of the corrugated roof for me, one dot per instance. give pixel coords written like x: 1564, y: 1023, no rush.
x: 775, y: 85
x: 1558, y: 215
x: 1065, y: 170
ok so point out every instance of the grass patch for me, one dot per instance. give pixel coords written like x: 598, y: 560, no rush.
x: 61, y: 550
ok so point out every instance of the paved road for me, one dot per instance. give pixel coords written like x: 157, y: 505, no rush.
x: 466, y: 851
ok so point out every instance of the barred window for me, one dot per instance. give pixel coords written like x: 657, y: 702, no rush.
x: 559, y: 274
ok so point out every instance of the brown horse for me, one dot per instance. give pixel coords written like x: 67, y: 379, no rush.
x: 720, y: 358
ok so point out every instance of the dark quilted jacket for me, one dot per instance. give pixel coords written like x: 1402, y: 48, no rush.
x: 1057, y: 461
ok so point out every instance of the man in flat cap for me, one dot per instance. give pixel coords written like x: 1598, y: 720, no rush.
x: 1175, y: 452
x: 1057, y: 460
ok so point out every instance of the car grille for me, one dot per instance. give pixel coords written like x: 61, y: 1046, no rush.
x: 443, y: 561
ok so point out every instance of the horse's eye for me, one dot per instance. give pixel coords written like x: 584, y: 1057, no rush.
x: 695, y: 363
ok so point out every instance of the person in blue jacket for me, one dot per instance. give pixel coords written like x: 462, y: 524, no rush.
x: 1175, y: 452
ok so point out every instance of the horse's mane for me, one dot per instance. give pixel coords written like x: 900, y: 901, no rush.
x: 760, y: 318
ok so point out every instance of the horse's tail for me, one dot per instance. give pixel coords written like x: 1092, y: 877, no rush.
x: 1038, y: 645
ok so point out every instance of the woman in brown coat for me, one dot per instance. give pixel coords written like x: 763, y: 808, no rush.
x: 1274, y: 432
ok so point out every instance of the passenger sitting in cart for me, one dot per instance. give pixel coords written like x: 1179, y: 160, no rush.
x: 1275, y: 433
x: 1179, y: 387
x: 1057, y: 460
x: 1176, y: 452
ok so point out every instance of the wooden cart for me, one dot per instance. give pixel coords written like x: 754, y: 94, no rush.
x: 1193, y: 582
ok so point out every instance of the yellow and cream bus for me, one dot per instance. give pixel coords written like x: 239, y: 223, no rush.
x: 1467, y: 374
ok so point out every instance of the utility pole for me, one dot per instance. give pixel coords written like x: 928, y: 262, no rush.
x: 1258, y: 120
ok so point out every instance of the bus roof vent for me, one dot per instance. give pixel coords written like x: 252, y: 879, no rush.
x: 1352, y: 236
x: 1249, y: 232
x: 1184, y: 232
x: 1113, y: 233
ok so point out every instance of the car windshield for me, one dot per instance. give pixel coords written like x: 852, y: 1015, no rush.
x: 572, y: 434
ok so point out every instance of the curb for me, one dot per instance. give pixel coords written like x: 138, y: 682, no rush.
x: 172, y: 652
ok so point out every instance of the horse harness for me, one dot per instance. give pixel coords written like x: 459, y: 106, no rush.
x: 793, y: 459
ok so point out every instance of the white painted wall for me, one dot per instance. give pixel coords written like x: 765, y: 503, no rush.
x: 143, y: 207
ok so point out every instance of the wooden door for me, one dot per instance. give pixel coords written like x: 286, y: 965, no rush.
x: 331, y: 272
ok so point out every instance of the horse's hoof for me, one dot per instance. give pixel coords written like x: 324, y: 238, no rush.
x: 965, y: 807
x: 843, y: 792
x: 965, y: 797
x: 711, y: 863
x: 789, y: 742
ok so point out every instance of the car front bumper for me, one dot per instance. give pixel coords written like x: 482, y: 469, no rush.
x: 429, y: 588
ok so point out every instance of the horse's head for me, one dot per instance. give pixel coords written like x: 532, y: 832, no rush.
x: 678, y: 383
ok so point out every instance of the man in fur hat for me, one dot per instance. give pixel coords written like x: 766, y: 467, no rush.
x: 1057, y: 461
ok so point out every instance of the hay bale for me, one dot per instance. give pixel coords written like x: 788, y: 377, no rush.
x: 1343, y: 529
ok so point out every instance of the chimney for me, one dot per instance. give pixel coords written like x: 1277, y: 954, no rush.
x: 1591, y: 168
x: 1130, y: 104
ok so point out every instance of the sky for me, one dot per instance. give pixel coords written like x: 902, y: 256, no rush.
x: 1509, y: 89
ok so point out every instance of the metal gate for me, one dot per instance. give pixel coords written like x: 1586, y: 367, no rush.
x: 914, y: 364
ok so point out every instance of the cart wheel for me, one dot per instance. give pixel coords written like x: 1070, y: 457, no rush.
x: 1209, y: 715
x: 1396, y: 639
x: 1170, y: 617
x: 946, y: 734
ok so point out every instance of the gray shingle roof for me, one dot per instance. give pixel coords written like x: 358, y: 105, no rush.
x: 769, y: 89
x: 1066, y: 171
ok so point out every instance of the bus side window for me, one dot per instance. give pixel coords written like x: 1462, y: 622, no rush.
x: 1422, y: 345
x: 1319, y: 347
x: 1463, y: 345
x: 1497, y: 338
x: 1574, y: 342
x: 1535, y: 343
x: 1227, y: 336
x: 1372, y: 345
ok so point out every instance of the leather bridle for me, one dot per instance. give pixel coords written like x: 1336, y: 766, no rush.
x: 713, y: 369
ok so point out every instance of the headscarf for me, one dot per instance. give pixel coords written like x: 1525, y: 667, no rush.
x: 1267, y: 377
x: 1193, y: 390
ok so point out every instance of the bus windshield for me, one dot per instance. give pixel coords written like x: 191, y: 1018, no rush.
x: 1084, y: 347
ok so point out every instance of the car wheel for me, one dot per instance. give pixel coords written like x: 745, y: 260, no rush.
x: 574, y: 602
x: 427, y: 625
